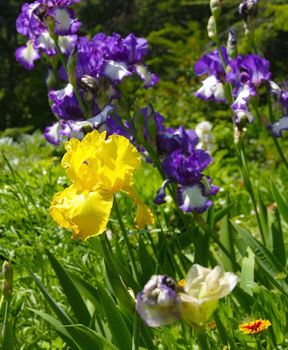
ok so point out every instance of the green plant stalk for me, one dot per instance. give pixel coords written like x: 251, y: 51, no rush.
x: 271, y: 119
x: 249, y: 186
x: 74, y: 85
x: 6, y: 332
x: 126, y: 241
x: 199, y: 219
x: 240, y: 150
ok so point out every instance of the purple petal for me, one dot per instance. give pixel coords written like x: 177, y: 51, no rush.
x: 278, y: 127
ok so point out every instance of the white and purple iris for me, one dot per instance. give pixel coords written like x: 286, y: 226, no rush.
x: 213, y: 86
x: 114, y: 58
x: 245, y: 74
x: 33, y: 22
x: 158, y: 303
x: 183, y: 164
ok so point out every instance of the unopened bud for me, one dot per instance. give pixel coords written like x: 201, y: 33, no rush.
x: 71, y: 67
x: 211, y: 28
x: 215, y: 6
x: 51, y: 80
x: 7, y: 285
x: 248, y: 9
x: 232, y: 44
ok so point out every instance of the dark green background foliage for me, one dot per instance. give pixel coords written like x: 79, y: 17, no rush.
x: 176, y: 31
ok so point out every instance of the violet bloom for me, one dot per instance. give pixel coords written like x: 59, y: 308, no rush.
x: 247, y: 74
x: 249, y: 69
x: 158, y: 303
x: 248, y: 9
x: 170, y: 140
x: 278, y: 127
x: 194, y: 189
x: 33, y: 23
x: 64, y: 104
x: 212, y: 87
x: 186, y: 169
x: 65, y: 129
x: 114, y: 58
x: 55, y: 133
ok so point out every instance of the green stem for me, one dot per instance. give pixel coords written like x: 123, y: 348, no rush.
x: 212, y: 234
x: 271, y: 119
x: 126, y: 240
x: 74, y: 85
x: 249, y: 186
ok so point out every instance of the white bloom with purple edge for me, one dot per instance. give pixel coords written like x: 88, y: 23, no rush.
x: 26, y: 55
x: 278, y: 127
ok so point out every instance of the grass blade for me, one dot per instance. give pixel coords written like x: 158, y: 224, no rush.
x: 74, y: 297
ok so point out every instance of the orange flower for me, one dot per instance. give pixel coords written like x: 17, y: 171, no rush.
x: 255, y: 327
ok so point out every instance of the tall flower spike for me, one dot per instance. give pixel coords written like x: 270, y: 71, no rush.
x: 98, y: 168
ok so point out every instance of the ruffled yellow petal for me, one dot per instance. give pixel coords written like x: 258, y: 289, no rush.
x: 98, y: 163
x: 82, y: 160
x: 86, y: 213
x: 119, y: 160
x: 144, y: 215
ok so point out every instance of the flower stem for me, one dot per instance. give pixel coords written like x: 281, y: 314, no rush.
x: 126, y: 240
x: 74, y: 85
x: 271, y: 119
x: 248, y: 184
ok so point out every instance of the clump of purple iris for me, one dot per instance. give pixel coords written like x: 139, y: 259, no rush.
x: 88, y: 86
x: 245, y: 74
x: 114, y: 58
x: 158, y: 303
x: 176, y: 149
x: 43, y: 22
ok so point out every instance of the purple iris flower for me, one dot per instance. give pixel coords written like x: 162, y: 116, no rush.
x: 65, y: 105
x: 33, y: 23
x: 173, y: 139
x: 64, y: 129
x: 186, y: 169
x: 114, y: 58
x: 211, y: 65
x: 246, y: 74
x: 55, y: 133
x: 278, y: 127
x: 248, y: 8
x: 158, y: 303
x: 250, y: 69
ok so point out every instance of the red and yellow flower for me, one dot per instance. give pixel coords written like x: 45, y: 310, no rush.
x: 254, y: 327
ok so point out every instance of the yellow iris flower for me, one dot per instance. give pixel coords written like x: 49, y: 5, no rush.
x: 98, y: 167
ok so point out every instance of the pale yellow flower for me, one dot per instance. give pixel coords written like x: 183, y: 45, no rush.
x: 203, y: 288
x: 98, y: 167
